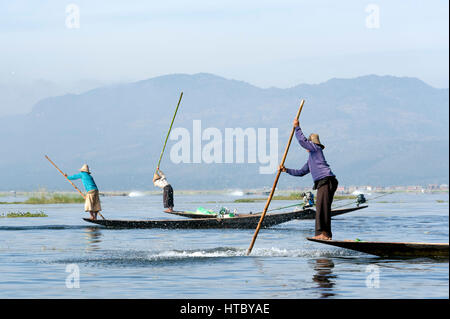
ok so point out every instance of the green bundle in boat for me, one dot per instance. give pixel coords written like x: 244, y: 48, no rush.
x: 223, y: 212
x: 204, y: 211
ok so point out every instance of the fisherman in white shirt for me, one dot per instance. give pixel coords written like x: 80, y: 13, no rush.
x: 159, y: 180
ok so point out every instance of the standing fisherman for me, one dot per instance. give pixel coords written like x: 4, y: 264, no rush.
x: 324, y: 180
x: 159, y: 180
x: 92, y: 203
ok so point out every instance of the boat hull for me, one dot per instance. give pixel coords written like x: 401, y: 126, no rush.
x: 389, y: 249
x: 302, y: 213
x: 249, y: 221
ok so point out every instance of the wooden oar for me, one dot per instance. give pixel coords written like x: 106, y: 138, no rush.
x: 168, y: 133
x: 275, y: 183
x: 69, y: 181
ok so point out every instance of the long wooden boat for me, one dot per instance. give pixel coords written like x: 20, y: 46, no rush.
x: 302, y: 213
x: 248, y: 221
x: 389, y: 249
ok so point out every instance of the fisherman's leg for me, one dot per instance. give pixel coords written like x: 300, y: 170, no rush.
x: 331, y: 188
x: 323, y: 214
x: 165, y: 194
x: 170, y: 198
x: 92, y: 203
x: 166, y: 199
x: 334, y: 185
x: 321, y: 205
x: 328, y: 196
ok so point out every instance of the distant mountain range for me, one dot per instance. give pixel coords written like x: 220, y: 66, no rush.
x: 19, y: 96
x: 378, y: 130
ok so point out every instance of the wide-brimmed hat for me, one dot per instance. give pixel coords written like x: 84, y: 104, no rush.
x: 315, y: 139
x: 85, y: 168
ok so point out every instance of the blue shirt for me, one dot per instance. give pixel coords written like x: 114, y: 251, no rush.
x: 316, y: 164
x: 86, y: 179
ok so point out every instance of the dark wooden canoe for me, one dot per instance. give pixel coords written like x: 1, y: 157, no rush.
x: 387, y: 249
x: 241, y: 221
x: 307, y: 213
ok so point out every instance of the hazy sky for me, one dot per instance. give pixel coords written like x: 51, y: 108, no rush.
x: 266, y: 43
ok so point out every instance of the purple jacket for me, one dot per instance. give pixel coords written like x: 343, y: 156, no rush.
x: 316, y: 165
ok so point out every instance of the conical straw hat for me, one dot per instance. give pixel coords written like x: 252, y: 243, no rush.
x: 315, y: 139
x: 85, y: 168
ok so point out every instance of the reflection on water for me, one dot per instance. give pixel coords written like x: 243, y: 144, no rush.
x: 324, y: 276
x: 93, y: 235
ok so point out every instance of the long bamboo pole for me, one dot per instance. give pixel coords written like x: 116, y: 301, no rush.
x: 275, y: 183
x: 84, y: 196
x: 168, y: 133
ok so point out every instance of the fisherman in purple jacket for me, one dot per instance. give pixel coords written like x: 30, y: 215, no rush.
x: 324, y: 180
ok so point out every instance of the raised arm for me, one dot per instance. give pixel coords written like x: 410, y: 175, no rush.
x: 161, y: 173
x: 308, y: 145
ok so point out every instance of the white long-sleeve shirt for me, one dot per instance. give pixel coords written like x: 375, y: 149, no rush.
x: 162, y: 181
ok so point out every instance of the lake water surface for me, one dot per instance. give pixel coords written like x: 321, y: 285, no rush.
x: 39, y: 257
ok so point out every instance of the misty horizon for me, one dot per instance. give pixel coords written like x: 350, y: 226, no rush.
x: 54, y: 48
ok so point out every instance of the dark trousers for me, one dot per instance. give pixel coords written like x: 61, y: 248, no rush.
x: 325, y: 194
x: 168, y: 196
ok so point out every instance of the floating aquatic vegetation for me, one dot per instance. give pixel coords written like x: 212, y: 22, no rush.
x: 44, y: 198
x: 54, y: 199
x: 248, y: 200
x: 23, y: 214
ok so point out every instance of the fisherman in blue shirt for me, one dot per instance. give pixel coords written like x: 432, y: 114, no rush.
x: 92, y: 203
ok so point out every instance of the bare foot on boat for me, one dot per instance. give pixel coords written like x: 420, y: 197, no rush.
x: 322, y: 236
x: 169, y: 210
